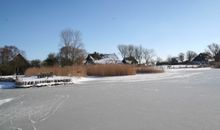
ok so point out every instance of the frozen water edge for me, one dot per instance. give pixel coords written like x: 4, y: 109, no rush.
x: 168, y: 74
x: 47, y: 81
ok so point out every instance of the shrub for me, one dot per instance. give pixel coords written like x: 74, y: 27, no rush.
x: 110, y: 70
x: 6, y: 69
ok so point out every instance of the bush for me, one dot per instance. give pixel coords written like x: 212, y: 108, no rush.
x: 6, y: 69
x: 110, y: 70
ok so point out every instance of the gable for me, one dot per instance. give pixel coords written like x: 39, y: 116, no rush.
x: 102, y: 58
x: 19, y: 60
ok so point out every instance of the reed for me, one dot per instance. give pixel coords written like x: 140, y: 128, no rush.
x: 147, y: 69
x: 59, y: 71
x: 93, y: 70
x: 110, y: 70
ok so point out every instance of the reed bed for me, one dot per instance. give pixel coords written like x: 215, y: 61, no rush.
x: 147, y: 69
x: 59, y: 71
x: 93, y: 70
x: 110, y: 70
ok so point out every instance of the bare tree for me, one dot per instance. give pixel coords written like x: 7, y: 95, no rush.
x: 181, y: 57
x: 123, y: 50
x: 169, y: 59
x: 148, y: 54
x: 80, y: 57
x: 158, y: 60
x: 172, y: 60
x: 52, y: 59
x: 214, y: 50
x: 130, y: 50
x: 7, y: 53
x: 138, y: 53
x: 72, y: 42
x: 35, y: 63
x: 190, y: 55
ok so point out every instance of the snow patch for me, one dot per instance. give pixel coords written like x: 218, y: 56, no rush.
x: 2, y: 101
x: 80, y: 80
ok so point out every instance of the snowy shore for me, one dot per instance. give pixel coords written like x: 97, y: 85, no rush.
x: 39, y: 82
x: 51, y: 81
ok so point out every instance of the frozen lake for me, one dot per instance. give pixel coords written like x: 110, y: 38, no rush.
x: 174, y: 100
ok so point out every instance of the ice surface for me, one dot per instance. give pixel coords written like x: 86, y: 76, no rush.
x: 186, y: 99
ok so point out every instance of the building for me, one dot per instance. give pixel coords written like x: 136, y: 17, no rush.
x: 97, y: 58
x: 19, y: 64
x: 130, y: 60
x: 202, y: 59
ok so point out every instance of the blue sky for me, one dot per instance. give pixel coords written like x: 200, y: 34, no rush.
x: 167, y: 26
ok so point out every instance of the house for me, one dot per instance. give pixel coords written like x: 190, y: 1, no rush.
x: 19, y: 64
x: 174, y: 61
x: 217, y: 57
x: 202, y: 59
x: 96, y: 58
x: 16, y: 64
x: 130, y: 60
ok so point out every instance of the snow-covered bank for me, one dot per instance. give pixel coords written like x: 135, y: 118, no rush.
x: 80, y: 80
x: 75, y: 80
x: 39, y: 82
x: 188, y: 69
x: 8, y: 76
x: 180, y: 66
x: 61, y: 80
x: 34, y: 81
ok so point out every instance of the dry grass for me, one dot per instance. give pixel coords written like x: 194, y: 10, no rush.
x: 93, y: 70
x: 110, y: 70
x: 59, y: 71
x: 147, y: 69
